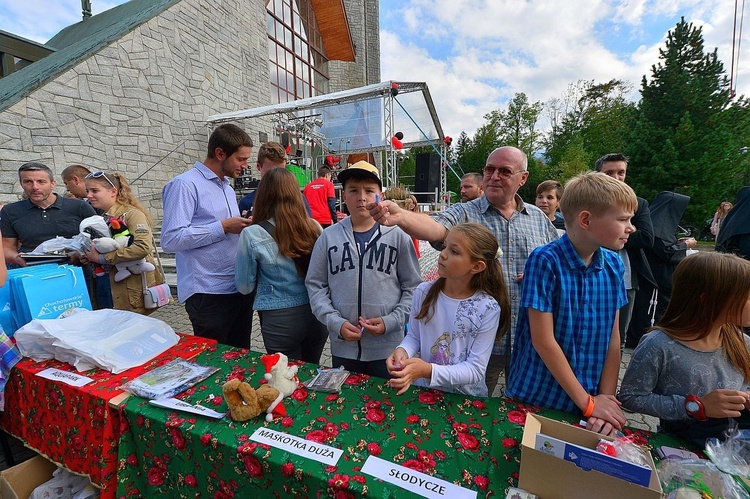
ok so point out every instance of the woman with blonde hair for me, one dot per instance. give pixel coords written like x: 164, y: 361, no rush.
x: 721, y: 212
x: 272, y: 258
x: 111, y: 193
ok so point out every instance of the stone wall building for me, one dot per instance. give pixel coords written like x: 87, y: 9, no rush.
x: 129, y: 90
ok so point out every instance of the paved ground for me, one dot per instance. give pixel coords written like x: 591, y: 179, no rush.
x: 174, y: 315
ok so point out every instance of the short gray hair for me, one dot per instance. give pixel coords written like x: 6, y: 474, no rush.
x: 35, y: 167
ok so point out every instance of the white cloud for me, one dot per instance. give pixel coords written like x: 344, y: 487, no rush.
x: 500, y: 47
x: 475, y: 54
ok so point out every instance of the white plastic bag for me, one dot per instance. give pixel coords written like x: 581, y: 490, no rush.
x: 58, y: 245
x: 114, y: 340
x: 65, y: 485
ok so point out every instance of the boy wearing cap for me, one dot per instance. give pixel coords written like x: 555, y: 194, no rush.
x: 361, y: 279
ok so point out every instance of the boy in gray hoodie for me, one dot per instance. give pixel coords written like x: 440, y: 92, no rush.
x: 361, y: 279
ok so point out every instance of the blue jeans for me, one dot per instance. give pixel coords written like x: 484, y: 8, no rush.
x: 103, y: 292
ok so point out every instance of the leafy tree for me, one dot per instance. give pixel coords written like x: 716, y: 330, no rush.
x: 517, y: 125
x: 688, y: 135
x: 593, y: 119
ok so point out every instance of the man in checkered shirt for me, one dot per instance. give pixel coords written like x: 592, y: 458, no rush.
x: 519, y: 228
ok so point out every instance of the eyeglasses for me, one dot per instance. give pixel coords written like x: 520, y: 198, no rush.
x: 503, y: 173
x: 99, y: 175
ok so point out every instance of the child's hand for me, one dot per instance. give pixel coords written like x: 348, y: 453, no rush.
x: 601, y: 426
x: 350, y: 332
x: 607, y: 407
x: 395, y: 361
x: 724, y: 403
x: 412, y: 370
x: 374, y: 326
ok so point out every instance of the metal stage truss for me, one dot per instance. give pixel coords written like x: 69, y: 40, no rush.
x: 356, y: 121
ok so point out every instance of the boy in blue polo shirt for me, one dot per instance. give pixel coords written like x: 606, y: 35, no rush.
x: 566, y: 353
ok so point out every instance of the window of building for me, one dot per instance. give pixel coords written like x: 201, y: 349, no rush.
x: 296, y: 56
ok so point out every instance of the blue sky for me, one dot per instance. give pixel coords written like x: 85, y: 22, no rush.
x: 476, y: 54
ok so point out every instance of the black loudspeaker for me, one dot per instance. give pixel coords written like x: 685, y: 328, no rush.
x: 427, y: 176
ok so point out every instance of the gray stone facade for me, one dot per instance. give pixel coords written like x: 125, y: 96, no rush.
x: 363, y: 16
x: 139, y: 105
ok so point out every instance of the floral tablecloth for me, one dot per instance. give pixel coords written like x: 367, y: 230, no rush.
x: 472, y: 442
x: 75, y: 426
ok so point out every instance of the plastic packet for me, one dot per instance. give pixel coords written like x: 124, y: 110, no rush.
x: 114, y: 340
x: 328, y: 380
x: 732, y: 455
x: 58, y: 245
x: 624, y: 448
x: 168, y: 380
x: 678, y: 476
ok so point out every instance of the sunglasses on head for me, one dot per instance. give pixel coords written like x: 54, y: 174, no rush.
x: 99, y: 175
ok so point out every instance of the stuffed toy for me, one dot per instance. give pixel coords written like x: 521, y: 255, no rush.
x: 244, y: 402
x: 111, y: 234
x: 282, y: 377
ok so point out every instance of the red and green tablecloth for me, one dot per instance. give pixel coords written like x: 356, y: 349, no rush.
x: 472, y: 442
x: 75, y: 426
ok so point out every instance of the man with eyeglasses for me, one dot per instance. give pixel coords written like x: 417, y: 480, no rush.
x: 202, y: 226
x: 42, y: 216
x: 518, y: 227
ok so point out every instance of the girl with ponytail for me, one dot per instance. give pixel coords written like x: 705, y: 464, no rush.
x: 692, y: 370
x: 456, y: 319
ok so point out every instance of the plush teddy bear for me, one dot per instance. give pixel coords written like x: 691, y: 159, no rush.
x: 244, y: 402
x: 280, y: 376
x: 111, y: 234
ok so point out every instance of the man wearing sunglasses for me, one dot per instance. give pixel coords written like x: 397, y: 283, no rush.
x: 518, y: 227
x: 41, y: 216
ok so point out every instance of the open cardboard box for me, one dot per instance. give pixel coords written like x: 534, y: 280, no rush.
x: 20, y: 481
x: 550, y: 477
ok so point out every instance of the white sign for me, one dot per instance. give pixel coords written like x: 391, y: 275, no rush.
x: 415, y: 481
x: 66, y: 377
x: 179, y: 405
x: 299, y: 446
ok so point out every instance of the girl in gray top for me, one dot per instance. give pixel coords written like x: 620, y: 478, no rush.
x: 693, y: 369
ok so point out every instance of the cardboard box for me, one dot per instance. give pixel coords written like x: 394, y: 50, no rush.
x: 20, y: 481
x: 551, y: 477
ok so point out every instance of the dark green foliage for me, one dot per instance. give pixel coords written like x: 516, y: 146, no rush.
x: 688, y: 134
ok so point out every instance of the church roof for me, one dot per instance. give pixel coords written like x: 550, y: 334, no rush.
x: 77, y: 42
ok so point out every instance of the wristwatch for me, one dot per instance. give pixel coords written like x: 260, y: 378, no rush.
x: 694, y: 408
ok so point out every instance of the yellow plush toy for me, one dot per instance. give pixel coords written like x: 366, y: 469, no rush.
x: 244, y: 402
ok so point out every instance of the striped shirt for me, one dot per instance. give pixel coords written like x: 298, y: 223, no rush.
x: 583, y: 301
x: 527, y: 229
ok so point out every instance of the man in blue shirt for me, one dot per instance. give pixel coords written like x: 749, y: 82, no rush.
x: 201, y: 226
x: 566, y: 354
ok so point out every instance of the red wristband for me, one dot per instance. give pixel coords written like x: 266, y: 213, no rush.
x: 590, y: 408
